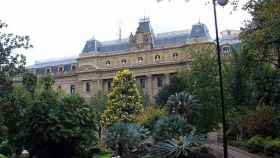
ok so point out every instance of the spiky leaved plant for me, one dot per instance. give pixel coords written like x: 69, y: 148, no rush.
x: 177, y: 148
x: 125, y: 138
x: 183, y: 103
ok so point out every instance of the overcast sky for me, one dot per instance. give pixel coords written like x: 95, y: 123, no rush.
x: 60, y: 28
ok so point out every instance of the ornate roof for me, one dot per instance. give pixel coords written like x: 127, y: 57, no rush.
x: 54, y: 62
x: 199, y: 32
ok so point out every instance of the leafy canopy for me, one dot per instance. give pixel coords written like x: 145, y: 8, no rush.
x: 124, y: 102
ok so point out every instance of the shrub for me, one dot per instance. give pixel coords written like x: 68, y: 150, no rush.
x: 3, y: 156
x: 256, y: 144
x: 171, y: 127
x: 183, y: 147
x: 183, y: 104
x: 260, y: 122
x: 272, y: 147
x: 124, y: 101
x: 124, y: 138
x: 150, y: 116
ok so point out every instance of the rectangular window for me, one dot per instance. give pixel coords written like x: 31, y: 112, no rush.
x: 60, y: 69
x: 88, y: 88
x: 226, y: 50
x: 159, y: 82
x: 109, y: 84
x: 142, y: 82
x: 72, y: 89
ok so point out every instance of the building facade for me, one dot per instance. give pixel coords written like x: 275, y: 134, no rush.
x: 154, y: 59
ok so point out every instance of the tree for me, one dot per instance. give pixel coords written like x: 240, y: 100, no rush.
x: 11, y: 63
x: 177, y: 84
x: 60, y: 127
x: 99, y: 104
x: 261, y: 35
x: 124, y: 138
x: 183, y: 104
x: 29, y: 81
x: 124, y: 102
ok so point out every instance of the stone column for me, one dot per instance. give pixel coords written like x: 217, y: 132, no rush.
x: 166, y: 79
x: 99, y: 84
x: 150, y: 88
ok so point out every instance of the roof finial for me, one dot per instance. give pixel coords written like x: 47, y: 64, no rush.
x: 199, y: 20
x: 120, y: 30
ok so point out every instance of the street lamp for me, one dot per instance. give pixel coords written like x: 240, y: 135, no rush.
x: 24, y: 154
x: 222, y: 3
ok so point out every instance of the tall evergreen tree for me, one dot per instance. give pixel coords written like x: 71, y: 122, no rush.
x: 124, y: 102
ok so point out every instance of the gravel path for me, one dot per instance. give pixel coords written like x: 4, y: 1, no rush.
x: 232, y: 152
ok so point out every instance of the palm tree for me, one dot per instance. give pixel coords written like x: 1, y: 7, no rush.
x: 182, y: 103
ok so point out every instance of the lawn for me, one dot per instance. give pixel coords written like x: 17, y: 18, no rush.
x: 105, y: 155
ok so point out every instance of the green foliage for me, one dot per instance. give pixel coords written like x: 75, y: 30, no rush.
x: 183, y: 147
x: 183, y: 104
x: 99, y: 103
x: 47, y: 81
x: 29, y: 81
x: 272, y: 147
x: 3, y: 156
x: 4, y: 148
x: 124, y: 102
x: 150, y: 116
x: 11, y: 63
x: 125, y: 138
x: 269, y: 146
x: 261, y: 34
x: 177, y: 84
x: 14, y: 112
x: 57, y: 127
x: 261, y: 122
x: 171, y: 127
x: 256, y: 144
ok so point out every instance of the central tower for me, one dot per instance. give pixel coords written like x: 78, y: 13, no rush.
x: 144, y: 36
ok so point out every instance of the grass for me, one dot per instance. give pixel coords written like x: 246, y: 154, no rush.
x: 104, y: 155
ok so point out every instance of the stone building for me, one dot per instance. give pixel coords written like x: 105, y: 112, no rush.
x: 153, y: 58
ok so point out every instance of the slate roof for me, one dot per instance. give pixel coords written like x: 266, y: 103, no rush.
x: 198, y: 31
x: 54, y: 62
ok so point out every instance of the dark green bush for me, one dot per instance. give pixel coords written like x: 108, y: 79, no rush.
x: 269, y: 146
x: 171, y: 127
x: 256, y: 144
x: 272, y: 147
x: 3, y: 156
x: 124, y: 138
x: 4, y: 149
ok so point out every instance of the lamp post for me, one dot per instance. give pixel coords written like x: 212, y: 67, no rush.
x: 225, y: 146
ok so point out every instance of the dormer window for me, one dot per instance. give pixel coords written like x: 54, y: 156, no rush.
x: 226, y: 50
x: 140, y: 60
x: 157, y: 58
x: 108, y: 63
x: 73, y: 67
x: 60, y: 69
x: 175, y: 55
x: 48, y: 70
x: 124, y: 62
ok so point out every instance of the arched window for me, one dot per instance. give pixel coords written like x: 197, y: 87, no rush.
x: 124, y: 62
x: 108, y: 63
x: 140, y: 60
x: 88, y: 86
x: 48, y: 70
x: 175, y: 55
x: 60, y: 69
x: 157, y: 58
x: 73, y: 67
